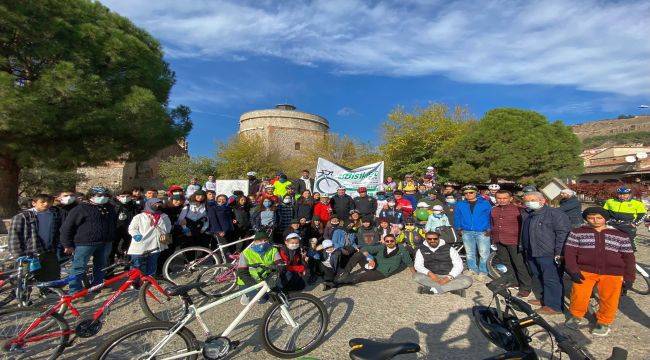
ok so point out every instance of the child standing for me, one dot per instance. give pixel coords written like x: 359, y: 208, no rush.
x: 150, y: 231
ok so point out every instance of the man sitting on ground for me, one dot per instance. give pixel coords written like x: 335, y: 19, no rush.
x: 439, y: 268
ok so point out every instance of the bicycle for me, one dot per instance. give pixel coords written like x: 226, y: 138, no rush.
x: 504, y: 329
x: 166, y: 340
x: 220, y: 279
x: 331, y: 184
x: 26, y: 332
x: 183, y: 264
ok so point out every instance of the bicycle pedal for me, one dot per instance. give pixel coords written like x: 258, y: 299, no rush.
x: 88, y: 328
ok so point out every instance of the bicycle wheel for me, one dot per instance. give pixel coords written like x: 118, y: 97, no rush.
x: 46, y: 341
x: 641, y: 283
x: 43, y: 297
x: 184, y: 265
x: 135, y: 341
x: 7, y: 292
x: 283, y: 341
x: 161, y: 307
x: 219, y: 280
x: 495, y: 268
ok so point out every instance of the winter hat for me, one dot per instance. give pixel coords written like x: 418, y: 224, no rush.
x: 596, y: 210
x: 437, y: 208
x: 422, y: 204
x: 199, y: 192
x: 327, y: 243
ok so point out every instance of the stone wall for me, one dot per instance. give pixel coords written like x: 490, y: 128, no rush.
x: 612, y: 126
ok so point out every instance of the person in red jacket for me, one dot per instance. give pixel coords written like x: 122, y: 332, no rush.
x: 601, y: 256
x: 322, y: 209
x: 268, y: 194
x: 291, y: 277
x: 505, y: 221
x: 403, y: 204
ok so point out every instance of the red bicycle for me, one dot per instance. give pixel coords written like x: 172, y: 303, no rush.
x: 31, y: 333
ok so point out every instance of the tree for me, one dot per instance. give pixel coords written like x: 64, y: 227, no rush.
x: 413, y: 141
x: 637, y: 137
x: 177, y: 170
x: 516, y: 145
x: 79, y: 85
x: 241, y: 154
x: 43, y: 180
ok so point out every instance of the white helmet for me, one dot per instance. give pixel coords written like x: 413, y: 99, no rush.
x: 422, y: 204
x: 429, y: 168
x: 251, y: 173
x: 494, y: 187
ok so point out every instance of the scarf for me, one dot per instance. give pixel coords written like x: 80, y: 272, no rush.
x: 154, y: 216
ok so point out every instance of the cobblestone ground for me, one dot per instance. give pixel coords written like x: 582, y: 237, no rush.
x: 391, y: 310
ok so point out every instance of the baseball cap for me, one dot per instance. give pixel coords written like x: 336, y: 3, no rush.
x: 327, y: 243
x: 292, y: 236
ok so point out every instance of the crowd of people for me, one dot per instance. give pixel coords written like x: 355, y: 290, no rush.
x: 413, y: 224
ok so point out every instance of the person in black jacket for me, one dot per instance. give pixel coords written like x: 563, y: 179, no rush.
x: 67, y: 200
x: 570, y: 204
x: 305, y: 206
x: 253, y: 183
x: 89, y: 231
x: 221, y: 219
x: 366, y: 205
x: 242, y: 212
x: 126, y: 209
x: 304, y: 183
x: 341, y: 203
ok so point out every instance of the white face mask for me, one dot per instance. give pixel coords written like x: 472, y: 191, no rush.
x: 68, y: 199
x: 534, y: 205
x: 100, y: 200
x: 286, y: 200
x: 293, y: 246
x: 124, y: 199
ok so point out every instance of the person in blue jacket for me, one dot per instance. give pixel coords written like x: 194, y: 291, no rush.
x: 472, y: 221
x: 220, y: 218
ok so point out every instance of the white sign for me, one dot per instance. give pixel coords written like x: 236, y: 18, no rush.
x: 329, y: 176
x: 228, y: 186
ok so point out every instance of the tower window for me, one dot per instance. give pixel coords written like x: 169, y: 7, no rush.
x: 297, y: 146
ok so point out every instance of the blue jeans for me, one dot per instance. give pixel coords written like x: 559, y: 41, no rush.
x: 82, y: 254
x: 547, y: 272
x: 472, y: 240
x: 147, y: 264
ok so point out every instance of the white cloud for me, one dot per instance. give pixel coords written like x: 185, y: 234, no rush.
x: 346, y: 112
x: 592, y: 45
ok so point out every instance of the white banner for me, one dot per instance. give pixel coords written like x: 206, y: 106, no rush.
x: 228, y: 186
x: 329, y: 176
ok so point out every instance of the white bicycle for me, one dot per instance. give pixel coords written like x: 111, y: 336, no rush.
x: 294, y: 325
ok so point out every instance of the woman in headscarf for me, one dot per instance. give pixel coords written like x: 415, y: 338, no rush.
x: 148, y: 231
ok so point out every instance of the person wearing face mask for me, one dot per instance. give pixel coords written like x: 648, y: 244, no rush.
x: 506, y: 222
x: 292, y: 276
x: 543, y: 232
x: 36, y: 231
x: 382, y: 200
x: 146, y: 230
x: 67, y: 200
x: 263, y: 217
x: 221, y: 220
x: 280, y: 186
x: 193, y: 221
x: 377, y: 262
x: 322, y: 209
x: 410, y: 237
x: 437, y: 219
x: 89, y: 231
x: 249, y: 273
x: 285, y: 212
x: 126, y: 210
x: 390, y: 212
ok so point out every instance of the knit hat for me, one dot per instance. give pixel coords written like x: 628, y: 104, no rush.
x: 437, y: 208
x: 596, y: 210
x: 261, y: 235
x: 327, y: 243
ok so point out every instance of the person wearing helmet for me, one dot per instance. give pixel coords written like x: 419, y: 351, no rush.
x: 268, y: 195
x: 492, y: 192
x: 88, y: 231
x: 627, y: 213
x: 437, y: 219
x: 322, y: 208
x: 342, y: 203
x: 421, y: 214
x: 280, y: 186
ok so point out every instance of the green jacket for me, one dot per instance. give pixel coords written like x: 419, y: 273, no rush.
x: 388, y: 265
x: 249, y: 259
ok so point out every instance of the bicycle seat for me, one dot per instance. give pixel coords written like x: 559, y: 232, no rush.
x: 183, y: 289
x: 364, y: 349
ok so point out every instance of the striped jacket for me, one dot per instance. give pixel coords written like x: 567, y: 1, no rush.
x: 608, y: 252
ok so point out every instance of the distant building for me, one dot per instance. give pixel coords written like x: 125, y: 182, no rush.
x: 613, y: 164
x: 284, y: 129
x: 612, y: 126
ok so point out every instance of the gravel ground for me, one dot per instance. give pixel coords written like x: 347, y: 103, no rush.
x: 391, y: 310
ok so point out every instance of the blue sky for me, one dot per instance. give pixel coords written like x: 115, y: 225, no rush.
x: 353, y: 61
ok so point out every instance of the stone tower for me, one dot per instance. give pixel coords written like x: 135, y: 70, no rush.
x: 284, y: 129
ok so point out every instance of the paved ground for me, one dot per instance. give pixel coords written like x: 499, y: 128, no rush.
x: 391, y: 310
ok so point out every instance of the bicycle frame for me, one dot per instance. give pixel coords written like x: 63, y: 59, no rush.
x: 131, y: 276
x: 220, y: 250
x: 196, y: 312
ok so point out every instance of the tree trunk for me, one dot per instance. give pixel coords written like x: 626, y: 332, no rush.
x: 9, y: 172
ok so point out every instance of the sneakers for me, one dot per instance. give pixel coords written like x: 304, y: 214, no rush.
x: 575, y: 323
x: 601, y: 330
x: 425, y: 290
x: 545, y: 310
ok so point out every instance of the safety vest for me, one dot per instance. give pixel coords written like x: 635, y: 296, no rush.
x: 280, y: 189
x: 630, y: 207
x: 253, y: 259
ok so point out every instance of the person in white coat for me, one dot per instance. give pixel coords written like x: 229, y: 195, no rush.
x: 148, y: 230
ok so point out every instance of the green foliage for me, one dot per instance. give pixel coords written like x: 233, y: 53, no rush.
x: 178, y: 170
x: 639, y: 137
x: 343, y: 150
x: 413, y: 141
x: 44, y: 180
x: 517, y: 145
x: 241, y: 154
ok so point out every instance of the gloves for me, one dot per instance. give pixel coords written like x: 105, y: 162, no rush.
x: 137, y: 238
x: 627, y: 285
x: 576, y: 277
x: 493, y: 247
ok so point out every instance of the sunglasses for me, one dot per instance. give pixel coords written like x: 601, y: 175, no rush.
x: 389, y: 241
x: 432, y: 238
x: 469, y: 192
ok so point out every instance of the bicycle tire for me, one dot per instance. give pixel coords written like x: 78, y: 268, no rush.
x: 209, y: 278
x: 493, y: 272
x: 641, y: 279
x: 266, y: 319
x: 32, y: 313
x: 150, y: 306
x: 178, y: 262
x: 104, y: 352
x: 46, y: 297
x: 327, y: 179
x: 7, y: 293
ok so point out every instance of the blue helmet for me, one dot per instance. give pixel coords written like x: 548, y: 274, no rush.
x: 623, y: 190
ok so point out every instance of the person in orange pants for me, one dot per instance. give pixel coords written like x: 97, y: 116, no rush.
x: 601, y: 256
